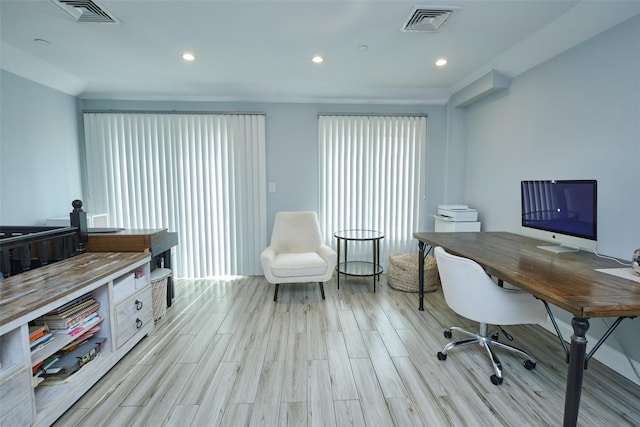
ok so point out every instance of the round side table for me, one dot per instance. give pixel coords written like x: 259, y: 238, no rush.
x: 359, y: 268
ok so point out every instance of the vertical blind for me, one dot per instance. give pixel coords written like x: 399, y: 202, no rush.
x: 371, y: 178
x: 202, y: 175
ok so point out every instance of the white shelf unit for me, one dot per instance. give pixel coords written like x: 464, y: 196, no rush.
x: 23, y: 405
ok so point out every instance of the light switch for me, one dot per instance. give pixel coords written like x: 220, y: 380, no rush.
x: 272, y: 187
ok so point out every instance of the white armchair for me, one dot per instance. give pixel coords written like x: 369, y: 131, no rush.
x: 297, y: 253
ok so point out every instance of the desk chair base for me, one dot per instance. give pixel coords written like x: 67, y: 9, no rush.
x: 487, y: 341
x: 275, y: 294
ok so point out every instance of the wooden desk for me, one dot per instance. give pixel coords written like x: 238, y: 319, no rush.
x: 157, y: 242
x: 568, y: 281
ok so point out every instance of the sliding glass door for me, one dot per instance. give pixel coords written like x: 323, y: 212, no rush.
x: 202, y: 175
x: 371, y: 178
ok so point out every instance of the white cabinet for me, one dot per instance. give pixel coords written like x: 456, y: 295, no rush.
x: 30, y: 295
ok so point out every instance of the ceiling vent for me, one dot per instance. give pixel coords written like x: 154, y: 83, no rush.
x: 86, y: 11
x: 428, y: 18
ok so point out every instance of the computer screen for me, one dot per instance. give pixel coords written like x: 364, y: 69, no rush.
x: 561, y: 211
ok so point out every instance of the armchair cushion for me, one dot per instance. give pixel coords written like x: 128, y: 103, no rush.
x: 299, y: 264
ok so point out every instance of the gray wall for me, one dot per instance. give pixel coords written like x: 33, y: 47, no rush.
x: 576, y: 116
x: 39, y: 152
x: 292, y: 145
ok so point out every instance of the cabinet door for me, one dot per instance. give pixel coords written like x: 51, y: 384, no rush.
x: 132, y: 315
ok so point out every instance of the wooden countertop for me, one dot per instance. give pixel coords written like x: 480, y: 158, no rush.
x: 31, y: 293
x: 569, y: 281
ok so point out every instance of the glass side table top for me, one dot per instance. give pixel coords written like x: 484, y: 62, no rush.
x: 359, y: 234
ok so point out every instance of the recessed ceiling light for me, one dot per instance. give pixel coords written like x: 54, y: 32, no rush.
x: 41, y: 41
x: 441, y: 62
x: 363, y: 47
x: 317, y: 59
x: 188, y: 57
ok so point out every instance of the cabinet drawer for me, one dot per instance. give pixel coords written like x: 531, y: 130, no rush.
x: 16, y: 406
x: 133, y: 314
x: 123, y: 287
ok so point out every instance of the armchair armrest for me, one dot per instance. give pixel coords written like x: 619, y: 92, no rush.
x: 329, y: 255
x: 268, y: 256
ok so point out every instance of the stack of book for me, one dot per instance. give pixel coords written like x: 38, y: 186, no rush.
x: 72, y: 318
x: 75, y: 324
x: 39, y: 337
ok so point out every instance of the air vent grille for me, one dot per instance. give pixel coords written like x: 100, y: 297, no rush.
x: 428, y: 19
x: 86, y: 11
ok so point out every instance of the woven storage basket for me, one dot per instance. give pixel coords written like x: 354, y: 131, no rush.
x: 403, y: 273
x: 159, y: 279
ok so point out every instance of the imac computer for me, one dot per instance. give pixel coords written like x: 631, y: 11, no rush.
x: 563, y: 212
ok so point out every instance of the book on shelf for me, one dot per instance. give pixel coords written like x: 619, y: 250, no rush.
x: 37, y: 367
x: 36, y: 332
x: 70, y: 308
x: 69, y: 363
x: 57, y: 322
x: 81, y: 338
x: 79, y: 328
x: 71, y: 304
x: 41, y: 342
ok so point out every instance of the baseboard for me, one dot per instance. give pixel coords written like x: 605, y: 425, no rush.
x: 606, y: 354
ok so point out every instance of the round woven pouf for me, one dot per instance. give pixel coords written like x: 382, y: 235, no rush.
x: 403, y: 273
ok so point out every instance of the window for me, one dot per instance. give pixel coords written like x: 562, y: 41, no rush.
x: 371, y: 178
x: 202, y: 175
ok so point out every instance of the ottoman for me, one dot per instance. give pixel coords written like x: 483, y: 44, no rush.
x: 403, y: 273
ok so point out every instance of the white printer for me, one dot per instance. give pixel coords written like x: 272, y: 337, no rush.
x: 451, y: 218
x: 457, y: 213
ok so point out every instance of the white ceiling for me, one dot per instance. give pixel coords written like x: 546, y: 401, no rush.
x: 261, y: 50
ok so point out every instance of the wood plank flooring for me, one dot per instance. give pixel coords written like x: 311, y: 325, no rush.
x: 226, y: 355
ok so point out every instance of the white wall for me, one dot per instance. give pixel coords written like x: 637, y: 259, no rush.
x: 39, y: 152
x: 575, y: 117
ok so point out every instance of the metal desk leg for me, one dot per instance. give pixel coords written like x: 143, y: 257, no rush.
x: 421, y: 276
x: 575, y: 372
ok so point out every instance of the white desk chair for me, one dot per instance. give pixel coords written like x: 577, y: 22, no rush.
x: 297, y: 253
x: 471, y: 293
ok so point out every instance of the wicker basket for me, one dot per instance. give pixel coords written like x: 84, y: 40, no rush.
x: 403, y: 273
x: 159, y: 278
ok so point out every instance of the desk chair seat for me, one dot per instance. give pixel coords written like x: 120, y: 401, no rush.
x: 471, y: 293
x: 297, y: 253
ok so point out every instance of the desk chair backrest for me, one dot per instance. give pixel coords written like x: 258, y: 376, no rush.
x: 470, y: 292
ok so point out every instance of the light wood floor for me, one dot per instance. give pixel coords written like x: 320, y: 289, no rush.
x: 226, y: 354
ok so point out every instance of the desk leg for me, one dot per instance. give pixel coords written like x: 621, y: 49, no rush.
x: 421, y: 276
x: 575, y: 372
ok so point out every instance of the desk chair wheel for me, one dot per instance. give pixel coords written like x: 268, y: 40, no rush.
x: 442, y: 356
x: 529, y: 364
x: 496, y: 379
x: 448, y: 334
